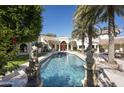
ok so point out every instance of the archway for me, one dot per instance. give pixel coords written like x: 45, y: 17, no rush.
x: 72, y: 45
x: 63, y: 46
x: 23, y: 48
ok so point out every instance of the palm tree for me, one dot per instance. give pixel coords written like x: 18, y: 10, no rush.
x: 79, y: 33
x: 89, y: 59
x: 88, y: 25
x: 106, y: 14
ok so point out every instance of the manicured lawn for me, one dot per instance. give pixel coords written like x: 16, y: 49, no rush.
x: 17, y: 61
x: 20, y: 60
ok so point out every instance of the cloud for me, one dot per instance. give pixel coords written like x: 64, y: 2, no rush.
x: 121, y: 32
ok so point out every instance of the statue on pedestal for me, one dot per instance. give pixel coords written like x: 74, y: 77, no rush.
x: 33, y: 72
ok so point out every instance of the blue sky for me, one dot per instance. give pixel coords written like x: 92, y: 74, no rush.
x: 119, y: 21
x: 58, y: 19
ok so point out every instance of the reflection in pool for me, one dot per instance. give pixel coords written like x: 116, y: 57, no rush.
x: 62, y: 70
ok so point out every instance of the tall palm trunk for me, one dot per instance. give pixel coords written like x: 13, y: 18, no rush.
x: 111, y: 30
x: 90, y: 60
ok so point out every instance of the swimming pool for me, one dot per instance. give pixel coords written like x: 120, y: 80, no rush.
x: 62, y: 70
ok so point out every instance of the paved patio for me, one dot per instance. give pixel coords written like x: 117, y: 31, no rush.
x: 110, y: 75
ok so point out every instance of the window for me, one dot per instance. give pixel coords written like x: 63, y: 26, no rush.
x: 80, y: 46
x: 92, y: 46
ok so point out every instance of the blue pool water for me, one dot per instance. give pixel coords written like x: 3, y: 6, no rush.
x: 62, y: 70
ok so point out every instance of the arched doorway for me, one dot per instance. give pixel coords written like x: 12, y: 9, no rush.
x: 72, y: 45
x: 63, y: 46
x: 23, y: 48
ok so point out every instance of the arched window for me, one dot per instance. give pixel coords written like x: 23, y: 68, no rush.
x: 23, y: 48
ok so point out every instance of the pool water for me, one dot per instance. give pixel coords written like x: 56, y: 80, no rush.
x: 62, y: 70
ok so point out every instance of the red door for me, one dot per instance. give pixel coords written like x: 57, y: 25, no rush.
x: 63, y: 46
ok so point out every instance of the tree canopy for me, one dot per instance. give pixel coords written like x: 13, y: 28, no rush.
x: 17, y: 24
x: 50, y: 34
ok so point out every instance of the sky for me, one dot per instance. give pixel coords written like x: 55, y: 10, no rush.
x: 58, y: 19
x: 119, y: 21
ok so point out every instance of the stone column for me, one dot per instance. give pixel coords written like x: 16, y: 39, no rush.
x: 77, y: 47
x: 94, y: 46
x: 55, y: 47
x: 71, y: 47
x: 67, y: 46
x: 121, y: 49
x: 97, y: 51
x: 59, y: 46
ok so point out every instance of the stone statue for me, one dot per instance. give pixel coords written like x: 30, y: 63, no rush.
x: 33, y: 72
